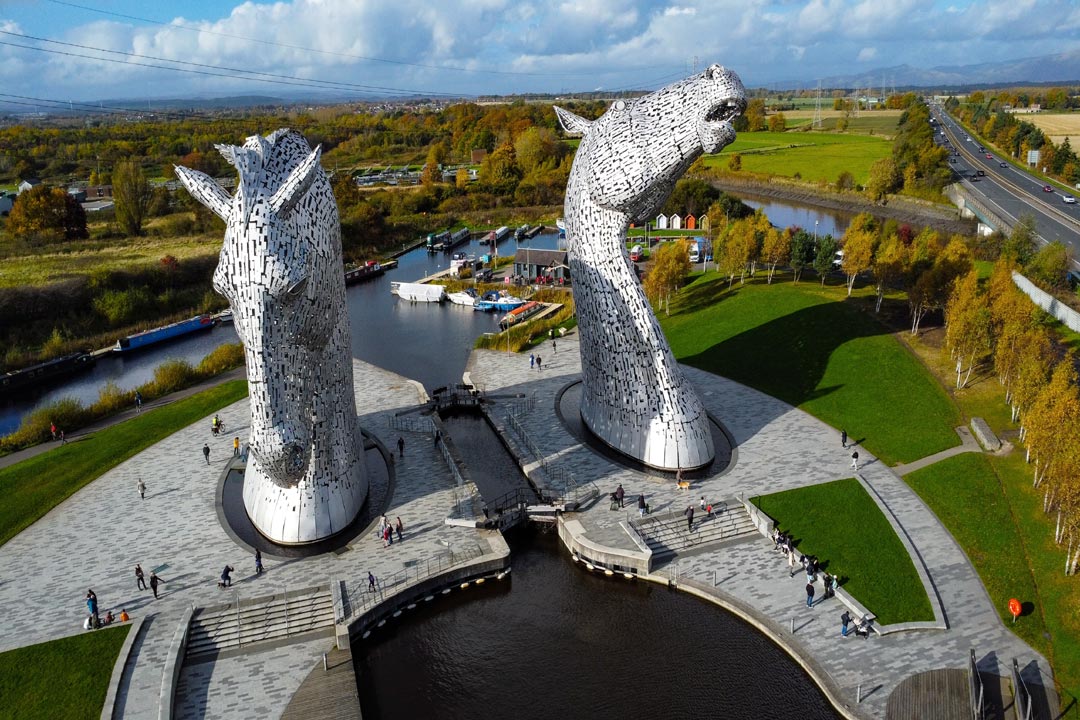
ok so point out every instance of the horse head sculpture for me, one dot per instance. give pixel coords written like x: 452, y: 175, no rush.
x: 280, y: 268
x: 634, y: 396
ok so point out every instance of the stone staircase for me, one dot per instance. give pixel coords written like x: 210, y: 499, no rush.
x: 229, y: 626
x: 667, y: 536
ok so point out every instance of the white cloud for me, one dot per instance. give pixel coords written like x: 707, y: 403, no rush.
x: 867, y: 53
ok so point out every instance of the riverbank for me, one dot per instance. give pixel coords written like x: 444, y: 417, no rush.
x: 944, y: 218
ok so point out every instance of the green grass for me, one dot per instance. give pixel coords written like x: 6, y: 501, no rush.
x: 819, y: 351
x: 840, y: 524
x: 35, y: 486
x: 65, y: 678
x: 812, y: 156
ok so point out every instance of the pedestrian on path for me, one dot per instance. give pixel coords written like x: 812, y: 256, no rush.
x: 140, y: 581
x: 398, y: 526
x: 387, y: 536
x: 532, y: 361
x: 553, y: 348
x: 52, y: 429
x: 92, y: 606
x: 702, y: 503
x: 538, y: 363
x: 63, y: 438
x: 641, y: 506
x: 141, y: 487
x: 855, y: 460
x: 400, y: 447
x: 689, y: 513
x: 438, y: 437
x: 843, y: 438
x: 138, y: 401
x: 370, y: 582
x: 235, y: 446
x: 845, y: 620
x: 258, y: 562
x: 206, y: 452
x: 620, y: 494
x: 226, y: 577
x: 809, y: 595
x: 154, y: 581
x: 827, y: 580
x: 791, y: 561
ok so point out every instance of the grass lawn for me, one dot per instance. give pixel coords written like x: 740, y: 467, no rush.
x: 65, y: 678
x: 35, y: 486
x: 819, y: 351
x: 812, y: 155
x: 840, y: 524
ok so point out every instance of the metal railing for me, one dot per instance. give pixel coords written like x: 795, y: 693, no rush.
x: 975, y: 685
x: 522, y: 405
x: 1022, y: 695
x: 362, y: 597
x: 563, y: 486
x: 412, y: 423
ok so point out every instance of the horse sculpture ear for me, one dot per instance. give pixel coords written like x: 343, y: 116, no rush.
x: 572, y: 124
x: 203, y: 188
x: 299, y: 181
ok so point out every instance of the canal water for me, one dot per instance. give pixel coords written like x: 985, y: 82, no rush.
x: 555, y: 641
x: 427, y: 342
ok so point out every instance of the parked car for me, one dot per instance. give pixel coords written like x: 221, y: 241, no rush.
x: 636, y: 253
x: 1069, y: 199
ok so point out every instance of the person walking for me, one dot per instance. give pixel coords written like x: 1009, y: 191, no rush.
x: 791, y: 561
x: 235, y: 446
x: 138, y: 401
x: 154, y: 581
x: 843, y: 438
x: 689, y: 513
x: 809, y: 595
x: 206, y: 452
x: 532, y: 361
x: 855, y: 460
x: 620, y: 494
x: 438, y: 437
x: 63, y: 438
x: 399, y: 527
x: 141, y: 487
x: 702, y: 503
x: 538, y: 362
x: 827, y: 581
x: 641, y: 506
x: 553, y: 348
x: 845, y: 620
x: 140, y: 581
x: 258, y: 562
x: 370, y: 582
x: 52, y: 429
x: 226, y: 577
x: 92, y: 606
x: 400, y: 447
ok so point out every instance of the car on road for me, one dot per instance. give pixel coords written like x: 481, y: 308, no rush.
x: 1069, y: 199
x: 1047, y: 188
x: 982, y: 173
x: 989, y: 156
x: 967, y: 138
x: 1003, y: 164
x: 973, y: 177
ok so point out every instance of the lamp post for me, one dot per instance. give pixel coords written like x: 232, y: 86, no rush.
x: 815, y: 231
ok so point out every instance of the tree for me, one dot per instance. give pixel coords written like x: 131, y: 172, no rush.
x: 802, y: 252
x: 884, y: 178
x: 46, y: 214
x: 1050, y: 266
x: 500, y: 170
x: 671, y: 263
x: 432, y: 172
x: 889, y: 262
x: 461, y: 178
x: 931, y: 290
x: 825, y: 256
x: 1020, y: 247
x: 967, y: 326
x: 776, y: 249
x: 777, y: 123
x: 734, y: 163
x: 132, y: 194
x: 858, y: 254
x: 536, y: 146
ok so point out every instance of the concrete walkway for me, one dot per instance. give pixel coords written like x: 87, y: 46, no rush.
x: 968, y: 443
x: 95, y: 538
x: 778, y: 448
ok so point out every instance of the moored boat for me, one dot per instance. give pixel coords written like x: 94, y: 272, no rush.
x: 466, y: 297
x: 418, y: 292
x: 161, y: 334
x: 495, y: 300
x: 35, y: 375
x: 366, y: 271
x: 520, y: 314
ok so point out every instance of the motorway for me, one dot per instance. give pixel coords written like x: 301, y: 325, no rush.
x: 1010, y: 191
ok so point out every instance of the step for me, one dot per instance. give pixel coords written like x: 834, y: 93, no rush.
x: 666, y: 535
x: 260, y: 619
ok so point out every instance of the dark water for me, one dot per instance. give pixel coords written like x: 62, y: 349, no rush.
x: 809, y: 217
x: 490, y: 464
x: 555, y: 642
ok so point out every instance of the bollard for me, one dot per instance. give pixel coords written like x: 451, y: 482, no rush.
x: 792, y: 626
x: 324, y: 662
x: 714, y: 578
x: 858, y: 694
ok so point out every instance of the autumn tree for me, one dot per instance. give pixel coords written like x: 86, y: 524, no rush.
x: 671, y: 263
x: 888, y: 266
x: 734, y: 163
x: 931, y: 290
x: 461, y: 178
x: 967, y: 326
x: 45, y: 214
x: 884, y: 179
x: 132, y: 194
x: 1050, y: 266
x: 776, y: 250
x: 858, y: 254
x: 432, y: 172
x: 777, y: 123
x: 1020, y: 245
x: 500, y: 170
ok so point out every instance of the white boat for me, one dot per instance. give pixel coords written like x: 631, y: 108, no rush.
x: 418, y: 292
x: 465, y: 297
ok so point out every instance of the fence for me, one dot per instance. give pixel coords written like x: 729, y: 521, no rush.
x: 412, y: 423
x: 1024, y: 705
x: 362, y: 596
x: 563, y: 488
x: 1048, y: 302
x: 975, y: 684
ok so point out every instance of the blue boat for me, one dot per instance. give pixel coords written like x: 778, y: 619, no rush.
x: 494, y: 300
x: 152, y: 337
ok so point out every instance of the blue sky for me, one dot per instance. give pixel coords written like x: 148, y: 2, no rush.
x: 496, y: 46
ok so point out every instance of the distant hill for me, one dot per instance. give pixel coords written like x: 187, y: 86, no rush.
x: 195, y: 103
x: 1061, y: 68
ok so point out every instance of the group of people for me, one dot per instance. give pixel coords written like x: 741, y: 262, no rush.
x: 618, y: 501
x: 57, y: 433
x: 94, y: 620
x: 386, y: 530
x: 140, y: 580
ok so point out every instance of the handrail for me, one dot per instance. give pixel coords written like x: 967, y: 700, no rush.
x: 561, y: 478
x: 975, y: 688
x: 362, y: 598
x: 1021, y: 693
x: 412, y: 423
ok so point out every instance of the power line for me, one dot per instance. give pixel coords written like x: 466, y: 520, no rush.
x: 261, y: 41
x: 103, y: 109
x: 226, y: 71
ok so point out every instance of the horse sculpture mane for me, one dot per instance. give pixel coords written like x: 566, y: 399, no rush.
x: 634, y: 397
x: 280, y: 267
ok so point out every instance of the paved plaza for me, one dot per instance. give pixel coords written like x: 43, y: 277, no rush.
x: 95, y: 538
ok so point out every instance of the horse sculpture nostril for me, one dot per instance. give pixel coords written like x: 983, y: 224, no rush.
x: 297, y: 458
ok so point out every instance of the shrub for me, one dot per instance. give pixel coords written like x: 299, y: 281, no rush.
x: 67, y: 413
x: 170, y: 376
x: 222, y: 358
x: 112, y: 399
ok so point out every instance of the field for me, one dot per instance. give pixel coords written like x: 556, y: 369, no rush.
x: 1057, y: 126
x: 35, y: 486
x: 65, y: 678
x: 819, y: 351
x: 840, y: 524
x: 811, y: 156
x: 39, y: 269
